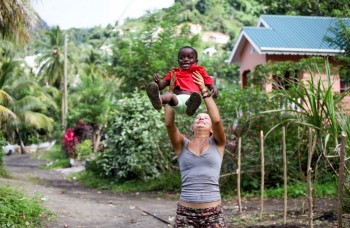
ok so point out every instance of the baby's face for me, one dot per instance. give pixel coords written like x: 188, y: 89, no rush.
x: 187, y: 57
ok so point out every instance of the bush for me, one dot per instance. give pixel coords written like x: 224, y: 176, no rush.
x: 241, y: 113
x: 2, y: 168
x: 84, y: 149
x: 136, y: 136
x: 17, y: 210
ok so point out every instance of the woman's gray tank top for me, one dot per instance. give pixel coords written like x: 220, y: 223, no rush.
x: 200, y: 174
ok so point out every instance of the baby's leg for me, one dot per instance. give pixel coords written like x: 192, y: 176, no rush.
x: 193, y: 103
x: 169, y: 98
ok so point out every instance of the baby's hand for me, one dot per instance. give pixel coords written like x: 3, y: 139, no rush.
x: 156, y: 78
x: 215, y: 92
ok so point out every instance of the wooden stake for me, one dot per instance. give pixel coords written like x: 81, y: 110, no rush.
x: 312, y: 143
x: 239, y: 176
x: 262, y: 174
x: 285, y: 174
x: 341, y: 180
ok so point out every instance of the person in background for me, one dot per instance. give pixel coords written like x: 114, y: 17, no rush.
x: 200, y: 160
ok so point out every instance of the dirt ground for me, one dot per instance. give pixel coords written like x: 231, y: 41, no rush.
x: 77, y: 206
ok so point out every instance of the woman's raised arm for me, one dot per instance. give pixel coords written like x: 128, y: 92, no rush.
x: 213, y: 111
x: 175, y: 136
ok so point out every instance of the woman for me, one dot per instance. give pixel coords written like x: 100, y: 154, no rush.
x: 200, y: 162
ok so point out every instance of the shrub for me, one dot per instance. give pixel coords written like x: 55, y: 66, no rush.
x: 136, y: 136
x: 241, y: 113
x: 17, y: 210
x: 84, y: 149
x: 2, y: 168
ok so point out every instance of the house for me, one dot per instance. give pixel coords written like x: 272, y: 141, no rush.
x: 210, y: 51
x: 215, y: 37
x: 206, y: 36
x: 194, y: 28
x: 286, y: 38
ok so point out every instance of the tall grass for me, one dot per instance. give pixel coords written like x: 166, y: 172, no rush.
x: 19, y: 210
x: 320, y: 109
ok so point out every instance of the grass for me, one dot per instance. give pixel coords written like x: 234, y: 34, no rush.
x: 299, y: 190
x: 168, y: 182
x: 56, y: 158
x: 19, y: 210
x: 3, y: 172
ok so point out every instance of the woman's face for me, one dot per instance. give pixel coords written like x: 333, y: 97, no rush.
x: 202, y: 120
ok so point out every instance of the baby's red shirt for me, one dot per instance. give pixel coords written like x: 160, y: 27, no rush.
x: 185, y: 81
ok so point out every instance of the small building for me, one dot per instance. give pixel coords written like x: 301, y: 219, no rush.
x: 210, y: 51
x: 279, y: 38
x: 194, y: 28
x: 215, y: 37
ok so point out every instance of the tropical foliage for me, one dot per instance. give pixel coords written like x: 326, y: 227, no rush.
x: 152, y: 50
x: 25, y: 101
x: 50, y: 61
x: 16, y: 19
x: 108, y: 69
x: 19, y: 210
x: 305, y: 7
x: 135, y: 141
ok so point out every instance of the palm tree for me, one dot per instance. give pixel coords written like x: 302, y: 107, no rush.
x: 93, y: 98
x: 93, y: 65
x: 26, y: 101
x: 51, y: 60
x: 16, y: 17
x: 5, y: 113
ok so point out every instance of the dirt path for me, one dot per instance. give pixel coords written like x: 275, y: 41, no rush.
x: 77, y: 206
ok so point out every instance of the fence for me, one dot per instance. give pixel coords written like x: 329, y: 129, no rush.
x: 312, y: 143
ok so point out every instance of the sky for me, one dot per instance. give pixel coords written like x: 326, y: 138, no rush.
x: 90, y: 13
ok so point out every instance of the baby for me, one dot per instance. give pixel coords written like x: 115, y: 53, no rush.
x: 185, y: 97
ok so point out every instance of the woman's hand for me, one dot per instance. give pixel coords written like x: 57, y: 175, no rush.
x: 198, y: 79
x: 172, y: 82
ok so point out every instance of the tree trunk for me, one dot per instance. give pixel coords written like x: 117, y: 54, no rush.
x: 20, y: 142
x: 64, y: 105
x: 96, y: 138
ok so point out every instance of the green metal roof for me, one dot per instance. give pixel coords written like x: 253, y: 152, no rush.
x: 279, y: 34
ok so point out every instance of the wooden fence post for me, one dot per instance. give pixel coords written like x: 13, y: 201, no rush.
x: 341, y: 180
x: 262, y: 174
x: 239, y: 176
x: 285, y: 174
x: 312, y: 143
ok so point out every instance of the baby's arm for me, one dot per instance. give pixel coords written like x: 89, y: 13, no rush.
x: 161, y: 83
x: 213, y: 89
